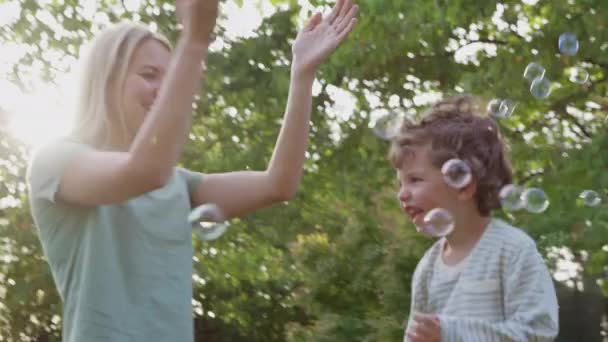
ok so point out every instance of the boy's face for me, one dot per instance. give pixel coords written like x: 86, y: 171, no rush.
x: 422, y: 186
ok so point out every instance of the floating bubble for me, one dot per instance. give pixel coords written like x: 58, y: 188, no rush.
x: 501, y: 108
x: 511, y: 197
x: 438, y: 222
x: 507, y: 107
x: 578, y: 75
x: 208, y: 221
x: 387, y: 126
x: 497, y: 108
x: 540, y: 88
x: 456, y: 173
x: 590, y: 198
x: 568, y: 44
x: 534, y: 71
x: 535, y: 200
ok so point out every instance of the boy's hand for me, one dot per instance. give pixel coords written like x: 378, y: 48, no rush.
x: 426, y: 328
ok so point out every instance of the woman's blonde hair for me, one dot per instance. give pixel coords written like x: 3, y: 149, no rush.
x: 103, y: 65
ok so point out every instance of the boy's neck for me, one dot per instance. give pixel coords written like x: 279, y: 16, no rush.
x: 467, y: 232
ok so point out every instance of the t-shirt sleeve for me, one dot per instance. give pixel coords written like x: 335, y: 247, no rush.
x: 193, y: 179
x: 47, y: 166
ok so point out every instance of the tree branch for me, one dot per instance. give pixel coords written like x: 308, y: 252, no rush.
x: 559, y: 107
x: 531, y: 175
x: 484, y: 40
x: 599, y: 63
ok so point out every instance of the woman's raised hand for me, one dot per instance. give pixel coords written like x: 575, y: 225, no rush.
x: 197, y: 18
x: 321, y: 36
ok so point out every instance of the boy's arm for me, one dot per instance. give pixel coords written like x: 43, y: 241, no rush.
x: 421, y: 268
x: 530, y: 306
x: 410, y: 317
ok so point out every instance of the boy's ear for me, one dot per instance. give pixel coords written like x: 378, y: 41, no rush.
x: 468, y: 192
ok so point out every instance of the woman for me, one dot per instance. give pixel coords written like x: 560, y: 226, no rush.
x: 109, y: 202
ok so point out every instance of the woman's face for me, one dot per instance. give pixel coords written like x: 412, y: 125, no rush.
x: 142, y: 81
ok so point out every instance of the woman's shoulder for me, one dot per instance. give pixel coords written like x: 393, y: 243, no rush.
x: 59, y: 145
x: 54, y: 152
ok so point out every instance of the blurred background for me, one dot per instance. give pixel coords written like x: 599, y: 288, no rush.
x: 335, y: 263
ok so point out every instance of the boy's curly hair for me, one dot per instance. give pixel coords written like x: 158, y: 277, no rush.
x: 454, y: 129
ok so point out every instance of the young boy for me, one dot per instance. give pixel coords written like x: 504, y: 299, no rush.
x: 485, y: 281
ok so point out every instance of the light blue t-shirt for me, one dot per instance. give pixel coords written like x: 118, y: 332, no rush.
x: 124, y: 271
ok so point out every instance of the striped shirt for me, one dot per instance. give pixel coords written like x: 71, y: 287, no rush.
x: 443, y: 281
x: 501, y: 292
